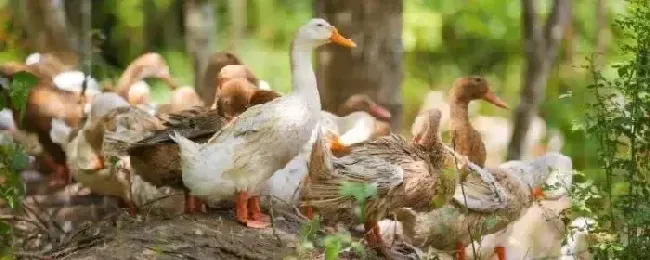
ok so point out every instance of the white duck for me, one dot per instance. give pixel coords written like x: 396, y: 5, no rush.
x: 358, y: 123
x: 263, y: 139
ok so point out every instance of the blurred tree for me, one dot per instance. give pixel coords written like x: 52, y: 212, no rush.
x: 374, y: 67
x: 45, y: 23
x: 199, y: 28
x: 540, y: 49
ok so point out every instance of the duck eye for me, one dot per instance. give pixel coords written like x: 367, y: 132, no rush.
x: 319, y: 25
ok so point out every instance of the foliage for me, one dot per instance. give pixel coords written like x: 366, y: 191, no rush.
x: 360, y: 192
x: 12, y: 156
x: 16, y: 96
x: 312, y: 236
x: 617, y: 120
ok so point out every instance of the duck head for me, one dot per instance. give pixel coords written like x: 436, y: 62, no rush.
x: 319, y: 32
x: 153, y: 65
x: 236, y: 71
x: 185, y: 97
x: 426, y: 127
x: 472, y: 88
x: 361, y: 102
x: 234, y: 97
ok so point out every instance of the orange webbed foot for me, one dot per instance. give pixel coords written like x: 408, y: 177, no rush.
x: 338, y: 149
x: 254, y: 211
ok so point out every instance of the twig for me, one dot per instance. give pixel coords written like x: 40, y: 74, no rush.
x: 170, y: 252
x: 486, y: 177
x: 462, y: 189
x: 18, y: 219
x: 275, y: 234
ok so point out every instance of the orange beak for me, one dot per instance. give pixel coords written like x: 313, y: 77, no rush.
x: 99, y: 163
x: 379, y: 111
x: 538, y: 193
x: 171, y: 83
x: 340, y: 40
x: 337, y: 148
x: 492, y: 98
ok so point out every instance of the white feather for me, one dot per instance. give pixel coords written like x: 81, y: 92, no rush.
x: 73, y: 81
x: 33, y: 58
x: 59, y: 131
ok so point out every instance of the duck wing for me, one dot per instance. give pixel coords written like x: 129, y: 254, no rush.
x: 258, y: 122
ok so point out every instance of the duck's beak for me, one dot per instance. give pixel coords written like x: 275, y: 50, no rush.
x: 170, y: 81
x: 379, y: 111
x: 494, y: 99
x: 98, y: 163
x: 538, y: 193
x: 340, y: 40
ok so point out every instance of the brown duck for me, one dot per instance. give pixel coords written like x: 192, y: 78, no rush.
x: 465, y: 139
x: 44, y: 102
x: 420, y: 164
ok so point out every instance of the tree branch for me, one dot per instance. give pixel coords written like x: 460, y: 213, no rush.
x: 530, y: 31
x: 555, y: 24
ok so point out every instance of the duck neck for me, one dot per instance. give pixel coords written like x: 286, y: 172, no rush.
x: 303, y: 79
x: 459, y: 115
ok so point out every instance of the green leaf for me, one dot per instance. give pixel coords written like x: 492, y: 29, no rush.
x: 357, y: 247
x: 359, y: 191
x: 332, y: 247
x: 19, y: 160
x: 21, y: 84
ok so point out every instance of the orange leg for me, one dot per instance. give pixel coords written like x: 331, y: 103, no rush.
x: 460, y: 252
x: 501, y: 252
x: 241, y: 209
x: 200, y: 206
x: 373, y: 237
x: 59, y: 174
x: 308, y: 211
x: 254, y: 211
x: 133, y: 210
x: 252, y: 207
x: 191, y: 204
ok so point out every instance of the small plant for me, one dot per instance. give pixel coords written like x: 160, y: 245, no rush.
x: 617, y: 120
x: 12, y: 156
x: 360, y: 192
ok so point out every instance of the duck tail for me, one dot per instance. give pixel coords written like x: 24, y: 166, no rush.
x: 186, y: 145
x: 320, y: 159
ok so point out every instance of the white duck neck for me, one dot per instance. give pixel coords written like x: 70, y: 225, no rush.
x: 303, y: 79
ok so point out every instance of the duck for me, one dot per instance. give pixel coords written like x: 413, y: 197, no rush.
x: 83, y: 150
x: 361, y: 120
x: 264, y: 138
x: 319, y: 192
x: 465, y: 139
x: 473, y: 205
x: 102, y: 172
x: 539, y: 231
x: 217, y: 61
x: 537, y: 234
x: 44, y: 102
x: 421, y: 170
x: 131, y: 86
x: 156, y: 150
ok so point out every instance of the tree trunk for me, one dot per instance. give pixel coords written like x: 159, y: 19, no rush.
x: 238, y: 17
x: 374, y: 67
x: 601, y: 31
x: 540, y: 50
x: 46, y: 29
x: 199, y: 28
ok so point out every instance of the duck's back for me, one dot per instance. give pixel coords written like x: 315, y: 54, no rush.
x: 262, y: 140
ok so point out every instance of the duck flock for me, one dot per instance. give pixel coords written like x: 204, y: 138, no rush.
x: 250, y: 145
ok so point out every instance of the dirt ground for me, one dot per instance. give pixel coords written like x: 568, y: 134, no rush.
x: 209, y: 236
